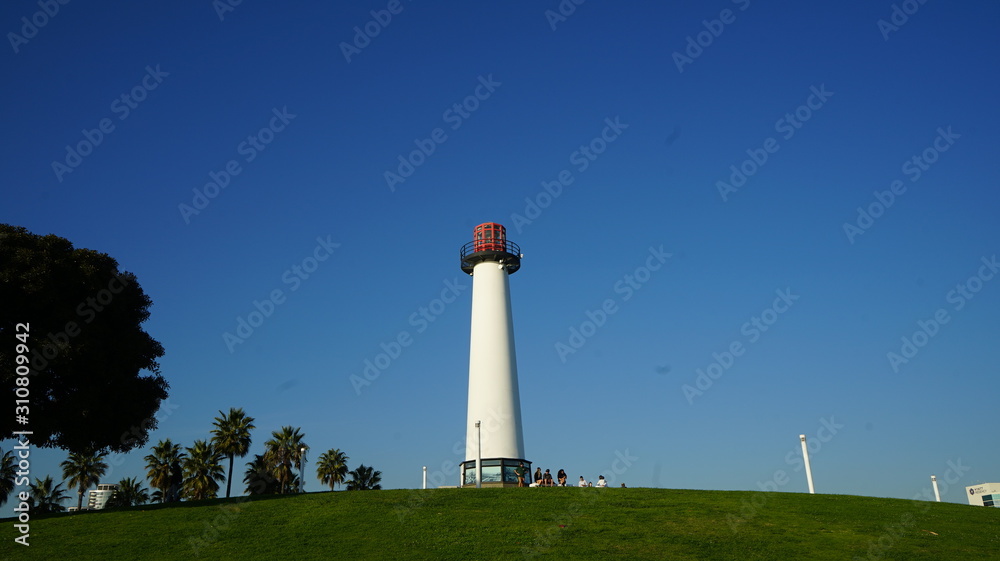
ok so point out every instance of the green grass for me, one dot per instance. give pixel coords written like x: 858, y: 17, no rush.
x: 557, y: 523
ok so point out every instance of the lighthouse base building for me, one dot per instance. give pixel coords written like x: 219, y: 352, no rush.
x: 494, y: 439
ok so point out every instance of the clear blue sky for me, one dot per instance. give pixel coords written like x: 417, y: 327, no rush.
x: 838, y: 105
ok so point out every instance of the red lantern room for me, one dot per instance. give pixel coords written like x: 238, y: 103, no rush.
x: 489, y: 243
x: 489, y: 237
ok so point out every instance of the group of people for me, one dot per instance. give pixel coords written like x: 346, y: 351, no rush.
x: 545, y: 479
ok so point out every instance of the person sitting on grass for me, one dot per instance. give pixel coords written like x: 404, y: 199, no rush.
x: 538, y: 477
x: 547, y: 481
x: 562, y: 477
x: 601, y: 482
x: 582, y: 483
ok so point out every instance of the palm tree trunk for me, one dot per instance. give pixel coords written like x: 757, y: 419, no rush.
x: 79, y: 501
x: 229, y: 480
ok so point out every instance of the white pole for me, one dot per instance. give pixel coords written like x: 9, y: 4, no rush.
x: 937, y: 494
x: 805, y: 457
x: 425, y: 477
x: 479, y: 458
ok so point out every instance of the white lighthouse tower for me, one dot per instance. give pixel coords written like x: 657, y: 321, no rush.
x: 493, y: 426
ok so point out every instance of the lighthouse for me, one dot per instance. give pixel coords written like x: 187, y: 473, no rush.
x: 493, y: 426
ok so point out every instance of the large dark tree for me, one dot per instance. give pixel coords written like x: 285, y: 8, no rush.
x: 87, y: 349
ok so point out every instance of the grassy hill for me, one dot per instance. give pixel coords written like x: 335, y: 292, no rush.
x: 557, y: 523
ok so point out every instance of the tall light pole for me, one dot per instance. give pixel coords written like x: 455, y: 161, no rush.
x: 479, y: 457
x: 937, y: 494
x: 302, y: 474
x: 494, y: 399
x: 805, y: 458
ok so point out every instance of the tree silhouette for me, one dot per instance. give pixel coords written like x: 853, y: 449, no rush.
x: 163, y: 468
x: 284, y: 452
x: 259, y: 478
x: 331, y: 467
x: 202, y: 471
x: 130, y: 493
x: 231, y: 437
x: 83, y: 470
x: 364, y: 478
x: 8, y: 469
x: 47, y: 497
x: 87, y: 351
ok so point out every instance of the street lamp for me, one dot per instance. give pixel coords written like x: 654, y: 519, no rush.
x: 302, y: 475
x: 479, y: 458
x: 805, y: 457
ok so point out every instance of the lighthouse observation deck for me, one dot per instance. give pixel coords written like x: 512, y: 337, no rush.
x: 490, y: 244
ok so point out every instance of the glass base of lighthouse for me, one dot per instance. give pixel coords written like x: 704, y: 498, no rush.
x: 497, y: 472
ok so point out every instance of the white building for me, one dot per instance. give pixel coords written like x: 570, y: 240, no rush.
x: 99, y: 497
x: 984, y: 494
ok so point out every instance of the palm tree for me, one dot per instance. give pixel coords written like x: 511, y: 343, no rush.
x: 259, y: 478
x: 46, y: 497
x: 231, y: 437
x: 364, y: 479
x: 202, y: 471
x: 156, y: 496
x: 8, y: 469
x: 331, y: 467
x: 284, y: 451
x: 163, y: 467
x: 130, y: 493
x: 83, y: 470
